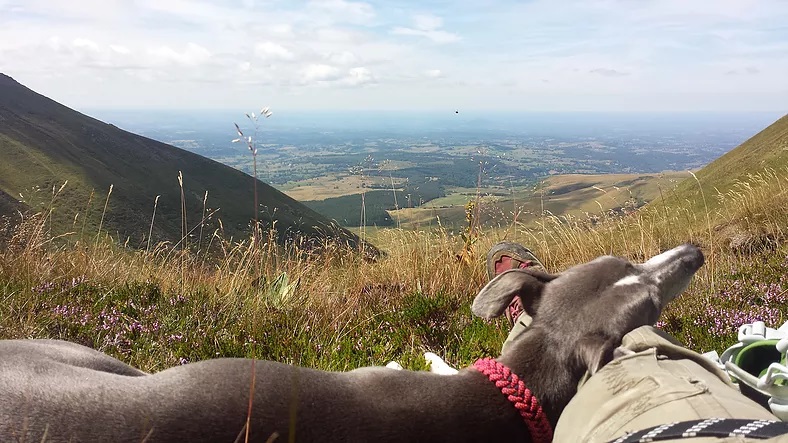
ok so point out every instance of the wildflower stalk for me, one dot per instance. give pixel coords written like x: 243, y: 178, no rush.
x: 265, y: 112
x: 153, y: 217
x: 712, y: 253
x: 85, y: 217
x: 199, y: 239
x: 184, y: 229
x: 101, y: 223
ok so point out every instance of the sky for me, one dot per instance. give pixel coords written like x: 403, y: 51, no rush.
x: 482, y: 55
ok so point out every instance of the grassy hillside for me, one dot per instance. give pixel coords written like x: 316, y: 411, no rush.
x: 378, y: 204
x: 573, y: 195
x: 44, y: 144
x: 337, y: 311
x: 767, y: 149
x: 423, y: 205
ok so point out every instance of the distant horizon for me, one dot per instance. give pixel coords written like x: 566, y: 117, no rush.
x: 477, y: 111
x: 287, y: 116
x: 423, y: 123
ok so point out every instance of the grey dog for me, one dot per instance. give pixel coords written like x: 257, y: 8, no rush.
x: 57, y: 391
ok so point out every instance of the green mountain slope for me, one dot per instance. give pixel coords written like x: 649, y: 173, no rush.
x: 43, y: 144
x: 767, y: 149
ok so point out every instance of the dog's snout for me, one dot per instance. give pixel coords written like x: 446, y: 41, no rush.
x: 686, y: 254
x: 693, y: 256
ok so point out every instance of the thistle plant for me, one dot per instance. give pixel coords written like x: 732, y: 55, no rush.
x: 250, y: 140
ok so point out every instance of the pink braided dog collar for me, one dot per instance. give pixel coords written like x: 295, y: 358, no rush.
x: 524, y: 401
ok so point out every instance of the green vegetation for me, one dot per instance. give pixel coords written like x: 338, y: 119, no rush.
x: 157, y: 308
x: 339, y: 198
x: 562, y: 195
x: 254, y: 296
x: 346, y: 210
x: 44, y: 144
x: 767, y: 149
x: 337, y: 310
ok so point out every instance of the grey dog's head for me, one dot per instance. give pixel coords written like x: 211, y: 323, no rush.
x: 588, y: 308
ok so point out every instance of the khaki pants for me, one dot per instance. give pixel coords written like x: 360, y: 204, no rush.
x: 522, y: 323
x: 661, y: 382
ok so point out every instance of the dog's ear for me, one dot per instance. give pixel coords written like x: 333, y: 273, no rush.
x: 496, y: 295
x: 594, y: 352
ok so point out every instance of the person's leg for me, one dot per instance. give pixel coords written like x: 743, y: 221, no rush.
x: 520, y: 325
x: 502, y: 257
x: 658, y: 383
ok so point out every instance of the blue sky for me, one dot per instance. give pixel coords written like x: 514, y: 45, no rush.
x: 540, y: 55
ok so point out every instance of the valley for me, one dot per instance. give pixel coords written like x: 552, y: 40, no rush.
x: 415, y: 169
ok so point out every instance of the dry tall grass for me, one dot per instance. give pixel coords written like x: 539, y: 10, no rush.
x: 338, y: 290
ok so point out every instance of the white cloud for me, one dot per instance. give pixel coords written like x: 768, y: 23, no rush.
x: 326, y: 75
x: 54, y: 43
x: 344, y: 11
x: 281, y: 29
x: 120, y: 49
x: 192, y: 55
x: 747, y: 70
x: 359, y: 76
x: 609, y: 49
x: 107, y: 10
x: 320, y: 72
x: 342, y: 58
x: 195, y: 11
x: 272, y: 51
x: 433, y: 73
x: 427, y: 22
x: 608, y: 72
x: 337, y: 36
x: 427, y: 26
x: 83, y: 43
x: 435, y: 36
